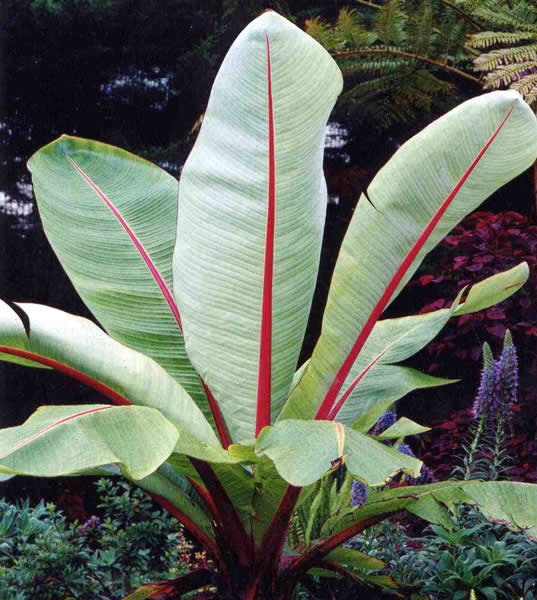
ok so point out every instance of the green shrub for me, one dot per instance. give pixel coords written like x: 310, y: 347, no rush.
x: 447, y: 565
x: 43, y: 556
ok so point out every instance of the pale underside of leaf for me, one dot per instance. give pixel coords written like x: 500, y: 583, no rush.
x: 433, y: 180
x: 219, y: 261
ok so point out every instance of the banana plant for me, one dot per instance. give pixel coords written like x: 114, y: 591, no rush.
x: 203, y: 289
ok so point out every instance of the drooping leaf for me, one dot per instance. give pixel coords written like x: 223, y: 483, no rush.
x: 60, y: 440
x: 80, y: 349
x: 303, y: 451
x: 252, y: 201
x: 426, y: 188
x: 508, y: 502
x: 355, y: 558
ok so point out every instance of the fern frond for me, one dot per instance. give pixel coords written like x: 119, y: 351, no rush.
x: 505, y: 56
x: 322, y: 32
x: 487, y: 39
x: 501, y: 19
x: 390, y: 23
x: 505, y: 75
x: 525, y: 85
x: 379, y: 65
x: 423, y: 27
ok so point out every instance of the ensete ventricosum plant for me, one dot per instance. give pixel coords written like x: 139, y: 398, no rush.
x: 204, y: 290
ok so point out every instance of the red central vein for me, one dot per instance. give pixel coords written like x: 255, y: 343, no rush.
x: 139, y: 246
x: 333, y: 413
x: 213, y: 406
x: 341, y: 376
x: 117, y: 399
x: 265, y: 345
x: 107, y: 391
x: 33, y: 437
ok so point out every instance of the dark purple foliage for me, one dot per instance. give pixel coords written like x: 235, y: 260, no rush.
x: 482, y: 245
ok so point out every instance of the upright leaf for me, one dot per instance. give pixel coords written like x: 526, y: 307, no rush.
x: 252, y: 201
x: 111, y: 217
x: 427, y: 187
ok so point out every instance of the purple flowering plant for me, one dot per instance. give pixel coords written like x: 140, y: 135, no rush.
x: 485, y: 456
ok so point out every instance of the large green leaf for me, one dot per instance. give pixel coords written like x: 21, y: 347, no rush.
x: 84, y: 189
x: 428, y: 186
x: 512, y: 503
x: 303, y: 451
x: 394, y: 340
x: 79, y: 348
x: 60, y: 440
x: 257, y: 163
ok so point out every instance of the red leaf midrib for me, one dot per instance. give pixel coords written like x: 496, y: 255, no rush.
x: 264, y: 383
x: 326, y: 407
x: 168, y: 296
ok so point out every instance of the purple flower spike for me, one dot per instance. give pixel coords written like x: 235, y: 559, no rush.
x: 406, y: 449
x: 486, y: 393
x: 386, y: 421
x: 498, y: 387
x: 358, y: 494
x: 507, y: 374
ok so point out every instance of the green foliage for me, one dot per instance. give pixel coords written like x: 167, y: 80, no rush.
x: 44, y: 556
x: 330, y: 495
x: 446, y: 565
x: 508, y: 44
x: 400, y: 57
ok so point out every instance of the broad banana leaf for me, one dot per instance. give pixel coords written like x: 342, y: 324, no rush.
x: 80, y: 349
x: 427, y: 187
x: 373, y: 380
x: 252, y: 201
x: 61, y: 440
x: 111, y: 217
x: 511, y: 503
x: 303, y: 451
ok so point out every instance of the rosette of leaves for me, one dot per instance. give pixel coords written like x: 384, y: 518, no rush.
x: 204, y: 288
x: 399, y: 57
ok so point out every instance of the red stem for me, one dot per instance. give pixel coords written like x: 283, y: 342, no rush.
x: 343, y: 398
x: 332, y: 393
x: 221, y: 427
x: 265, y: 344
x: 274, y: 538
x: 229, y: 522
x: 318, y: 551
x: 105, y: 390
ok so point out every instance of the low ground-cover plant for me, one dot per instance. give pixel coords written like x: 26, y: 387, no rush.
x: 205, y: 302
x: 446, y: 564
x: 130, y: 543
